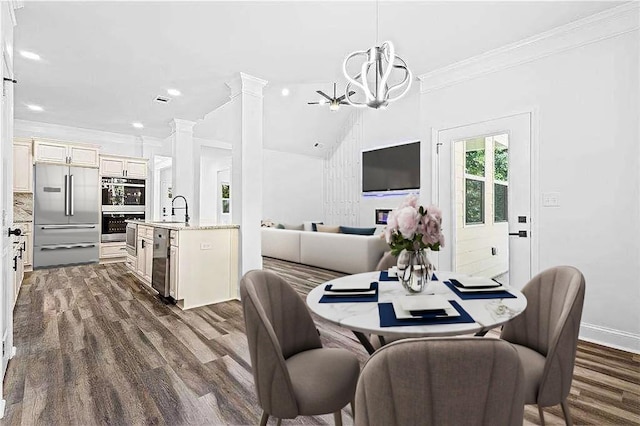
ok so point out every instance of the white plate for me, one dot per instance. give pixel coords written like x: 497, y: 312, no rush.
x: 470, y: 282
x: 351, y: 284
x: 392, y: 272
x: 349, y: 293
x: 422, y: 303
x: 480, y: 290
x: 404, y: 314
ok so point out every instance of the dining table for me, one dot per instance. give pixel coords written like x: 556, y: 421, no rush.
x: 478, y: 312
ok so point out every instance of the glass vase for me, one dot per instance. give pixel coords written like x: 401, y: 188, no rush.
x: 414, y: 270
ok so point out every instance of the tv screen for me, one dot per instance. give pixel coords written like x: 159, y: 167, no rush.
x: 392, y: 168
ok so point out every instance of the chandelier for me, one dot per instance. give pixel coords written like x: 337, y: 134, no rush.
x: 378, y: 79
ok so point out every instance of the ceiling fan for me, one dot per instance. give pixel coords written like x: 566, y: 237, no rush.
x: 335, y: 102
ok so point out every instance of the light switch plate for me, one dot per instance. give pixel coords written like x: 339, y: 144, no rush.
x: 551, y: 199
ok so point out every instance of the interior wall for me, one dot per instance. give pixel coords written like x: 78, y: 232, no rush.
x: 586, y: 99
x: 213, y: 160
x: 292, y: 187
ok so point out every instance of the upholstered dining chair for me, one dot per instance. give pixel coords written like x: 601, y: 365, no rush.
x: 442, y: 381
x: 546, y: 336
x: 293, y: 374
x: 387, y: 261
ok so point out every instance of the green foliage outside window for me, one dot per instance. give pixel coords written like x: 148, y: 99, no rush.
x: 500, y: 202
x: 225, y: 190
x: 501, y: 160
x: 474, y: 162
x: 474, y: 201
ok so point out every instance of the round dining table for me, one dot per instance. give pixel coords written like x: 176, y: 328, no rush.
x: 363, y: 318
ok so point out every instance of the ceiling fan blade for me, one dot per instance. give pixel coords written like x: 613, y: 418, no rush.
x: 344, y: 103
x: 321, y: 93
x: 313, y: 103
x: 341, y: 98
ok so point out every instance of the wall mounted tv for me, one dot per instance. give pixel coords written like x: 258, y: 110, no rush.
x: 392, y: 168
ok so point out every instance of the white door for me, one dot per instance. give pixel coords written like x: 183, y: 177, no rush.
x: 484, y: 191
x: 6, y: 205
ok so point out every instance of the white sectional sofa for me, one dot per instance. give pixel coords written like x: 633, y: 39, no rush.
x: 347, y: 253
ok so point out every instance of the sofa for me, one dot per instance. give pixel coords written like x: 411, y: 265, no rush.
x: 347, y: 253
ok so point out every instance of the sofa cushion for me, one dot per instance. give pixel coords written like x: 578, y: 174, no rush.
x: 281, y: 244
x: 357, y: 231
x: 327, y: 228
x: 294, y: 227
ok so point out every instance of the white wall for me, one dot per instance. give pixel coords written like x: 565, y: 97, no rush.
x: 292, y: 187
x: 587, y: 101
x: 213, y: 160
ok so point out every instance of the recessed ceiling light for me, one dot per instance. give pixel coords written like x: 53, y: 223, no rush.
x: 137, y: 125
x: 174, y: 92
x: 285, y: 92
x: 37, y: 108
x: 30, y: 55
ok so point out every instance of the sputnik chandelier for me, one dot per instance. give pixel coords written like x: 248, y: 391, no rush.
x: 374, y: 82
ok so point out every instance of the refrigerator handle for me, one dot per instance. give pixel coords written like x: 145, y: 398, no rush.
x: 71, y: 202
x: 66, y: 195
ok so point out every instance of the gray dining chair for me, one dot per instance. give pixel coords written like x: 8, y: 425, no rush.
x: 546, y: 336
x: 386, y: 261
x: 442, y: 381
x: 293, y: 374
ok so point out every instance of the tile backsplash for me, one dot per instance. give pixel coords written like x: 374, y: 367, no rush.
x: 22, y: 207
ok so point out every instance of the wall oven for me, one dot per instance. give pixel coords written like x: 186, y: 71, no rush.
x: 114, y: 227
x: 122, y: 194
x: 132, y: 239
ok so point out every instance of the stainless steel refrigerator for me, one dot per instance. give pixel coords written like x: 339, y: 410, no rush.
x: 66, y: 215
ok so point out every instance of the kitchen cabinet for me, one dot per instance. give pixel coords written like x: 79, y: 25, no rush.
x: 113, y: 252
x: 57, y: 152
x: 173, y: 271
x: 123, y: 167
x: 144, y: 261
x: 22, y: 166
x: 18, y: 268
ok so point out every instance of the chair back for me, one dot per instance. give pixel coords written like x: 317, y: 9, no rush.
x: 278, y: 325
x: 442, y: 381
x: 550, y: 326
x: 387, y: 261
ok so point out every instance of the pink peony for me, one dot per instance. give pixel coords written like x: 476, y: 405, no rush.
x: 409, y: 201
x: 435, y: 212
x: 408, y: 219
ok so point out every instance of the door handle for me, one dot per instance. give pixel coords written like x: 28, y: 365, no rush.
x: 66, y: 195
x: 68, y: 227
x: 71, y: 202
x: 17, y: 232
x: 71, y: 246
x: 15, y: 263
x: 521, y: 234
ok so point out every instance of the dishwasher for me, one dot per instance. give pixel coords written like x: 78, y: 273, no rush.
x: 160, y: 270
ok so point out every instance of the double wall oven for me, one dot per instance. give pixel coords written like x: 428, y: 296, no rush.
x: 122, y: 199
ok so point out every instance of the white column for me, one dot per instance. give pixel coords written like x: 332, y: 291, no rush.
x: 246, y: 168
x: 183, y: 168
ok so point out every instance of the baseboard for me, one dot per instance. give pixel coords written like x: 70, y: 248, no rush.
x: 617, y: 339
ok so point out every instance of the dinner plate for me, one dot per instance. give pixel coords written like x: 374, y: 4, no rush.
x: 498, y: 287
x: 474, y: 282
x: 346, y: 284
x: 405, y: 314
x: 423, y: 302
x: 349, y: 293
x: 392, y: 272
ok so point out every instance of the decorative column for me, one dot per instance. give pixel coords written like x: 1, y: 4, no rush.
x: 246, y: 167
x: 185, y: 178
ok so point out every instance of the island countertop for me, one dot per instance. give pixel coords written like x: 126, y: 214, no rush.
x: 181, y: 226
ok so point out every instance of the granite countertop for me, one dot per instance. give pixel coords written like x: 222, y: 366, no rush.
x: 180, y: 226
x: 22, y: 221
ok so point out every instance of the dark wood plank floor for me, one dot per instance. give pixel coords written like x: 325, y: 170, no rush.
x: 95, y: 347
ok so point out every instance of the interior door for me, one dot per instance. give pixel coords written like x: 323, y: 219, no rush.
x: 85, y: 195
x: 484, y: 190
x: 50, y: 205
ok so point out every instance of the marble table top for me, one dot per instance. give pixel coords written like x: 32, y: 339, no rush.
x: 363, y: 317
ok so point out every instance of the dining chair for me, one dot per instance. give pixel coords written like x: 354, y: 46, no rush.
x: 293, y: 374
x: 546, y: 336
x: 442, y: 381
x: 387, y: 261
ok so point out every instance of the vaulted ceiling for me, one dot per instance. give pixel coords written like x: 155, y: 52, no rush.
x: 103, y: 63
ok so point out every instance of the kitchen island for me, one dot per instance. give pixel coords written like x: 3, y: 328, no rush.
x: 194, y: 264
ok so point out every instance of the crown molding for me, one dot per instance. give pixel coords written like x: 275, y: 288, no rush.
x: 600, y: 26
x: 180, y: 125
x: 247, y: 84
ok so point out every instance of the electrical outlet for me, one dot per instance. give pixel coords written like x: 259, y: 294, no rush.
x: 205, y: 246
x: 551, y: 199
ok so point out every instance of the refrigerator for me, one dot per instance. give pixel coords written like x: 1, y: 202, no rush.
x: 66, y: 215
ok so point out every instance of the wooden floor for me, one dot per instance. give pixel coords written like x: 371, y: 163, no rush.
x: 94, y: 347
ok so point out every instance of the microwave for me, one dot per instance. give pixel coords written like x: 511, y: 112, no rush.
x: 122, y: 194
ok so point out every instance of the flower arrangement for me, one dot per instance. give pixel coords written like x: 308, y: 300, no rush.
x: 412, y: 227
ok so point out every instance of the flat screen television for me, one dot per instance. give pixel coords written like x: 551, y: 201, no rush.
x: 391, y: 168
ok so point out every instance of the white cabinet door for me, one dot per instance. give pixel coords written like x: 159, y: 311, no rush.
x: 136, y: 169
x: 173, y: 272
x: 83, y: 156
x: 140, y: 263
x: 50, y: 152
x: 22, y: 167
x: 112, y: 167
x: 28, y: 252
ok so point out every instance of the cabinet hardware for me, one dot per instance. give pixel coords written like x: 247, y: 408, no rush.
x: 14, y: 81
x: 15, y: 263
x: 521, y: 234
x: 17, y: 232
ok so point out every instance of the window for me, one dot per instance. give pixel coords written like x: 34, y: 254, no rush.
x: 501, y: 178
x: 225, y: 198
x: 474, y: 166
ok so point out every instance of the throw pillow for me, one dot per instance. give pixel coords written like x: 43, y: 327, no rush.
x: 357, y: 231
x: 315, y: 224
x: 280, y: 226
x: 294, y: 227
x: 327, y: 228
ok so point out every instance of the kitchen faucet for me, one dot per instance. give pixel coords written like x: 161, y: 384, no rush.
x: 186, y: 208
